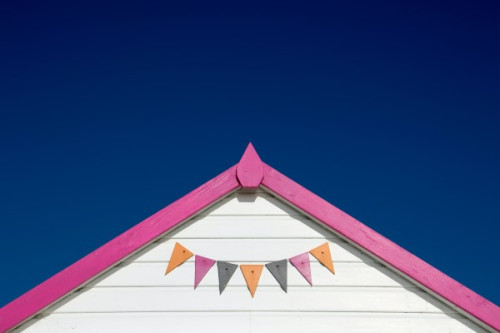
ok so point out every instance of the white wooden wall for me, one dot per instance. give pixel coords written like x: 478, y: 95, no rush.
x: 135, y: 296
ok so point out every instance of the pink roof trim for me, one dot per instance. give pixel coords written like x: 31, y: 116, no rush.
x: 74, y: 276
x: 117, y: 249
x: 381, y: 247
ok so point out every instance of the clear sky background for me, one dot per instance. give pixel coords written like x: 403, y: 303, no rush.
x: 109, y: 112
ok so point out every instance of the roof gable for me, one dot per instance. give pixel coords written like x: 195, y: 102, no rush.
x: 249, y: 228
x: 248, y: 174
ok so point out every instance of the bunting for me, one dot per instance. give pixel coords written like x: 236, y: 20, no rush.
x: 279, y: 270
x: 226, y: 271
x: 301, y: 262
x: 251, y: 273
x: 322, y: 253
x: 201, y: 267
x: 178, y: 257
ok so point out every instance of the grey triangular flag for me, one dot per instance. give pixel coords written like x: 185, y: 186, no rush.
x: 226, y: 271
x: 279, y: 269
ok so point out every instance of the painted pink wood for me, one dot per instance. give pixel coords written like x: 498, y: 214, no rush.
x: 250, y: 169
x: 381, y: 247
x: 201, y: 267
x: 303, y: 265
x: 104, y: 257
x: 98, y: 261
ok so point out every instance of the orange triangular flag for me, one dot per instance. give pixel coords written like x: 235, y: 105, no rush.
x: 179, y: 255
x: 322, y: 253
x: 252, y: 273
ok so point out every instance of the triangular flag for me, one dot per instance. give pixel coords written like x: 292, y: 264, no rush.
x: 252, y: 273
x: 179, y: 256
x: 279, y: 270
x: 226, y: 271
x: 201, y: 267
x: 322, y: 253
x: 301, y: 262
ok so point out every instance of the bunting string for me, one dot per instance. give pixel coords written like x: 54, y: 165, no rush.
x: 251, y: 273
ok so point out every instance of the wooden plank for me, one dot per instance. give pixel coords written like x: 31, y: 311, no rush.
x: 260, y: 203
x: 141, y: 322
x: 265, y: 250
x: 234, y: 298
x: 375, y: 322
x: 348, y: 274
x: 230, y: 322
x: 259, y: 226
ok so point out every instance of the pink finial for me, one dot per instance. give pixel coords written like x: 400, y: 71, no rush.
x: 250, y: 170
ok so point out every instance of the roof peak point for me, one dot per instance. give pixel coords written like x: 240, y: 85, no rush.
x: 250, y: 169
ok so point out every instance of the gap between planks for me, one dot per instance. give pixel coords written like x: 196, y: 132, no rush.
x: 135, y: 261
x: 265, y: 286
x: 435, y: 313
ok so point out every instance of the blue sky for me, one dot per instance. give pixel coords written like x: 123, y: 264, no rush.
x: 109, y: 112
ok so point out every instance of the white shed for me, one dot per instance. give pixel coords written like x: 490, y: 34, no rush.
x: 250, y: 215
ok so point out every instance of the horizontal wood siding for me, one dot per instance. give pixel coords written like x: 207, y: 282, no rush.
x: 363, y: 296
x: 264, y: 322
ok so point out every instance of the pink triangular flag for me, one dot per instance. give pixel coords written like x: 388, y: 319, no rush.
x: 201, y: 267
x: 301, y: 262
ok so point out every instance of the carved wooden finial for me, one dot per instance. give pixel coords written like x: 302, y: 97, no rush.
x: 250, y: 170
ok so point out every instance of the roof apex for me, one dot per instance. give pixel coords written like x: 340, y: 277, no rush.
x: 250, y: 169
x: 249, y: 173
